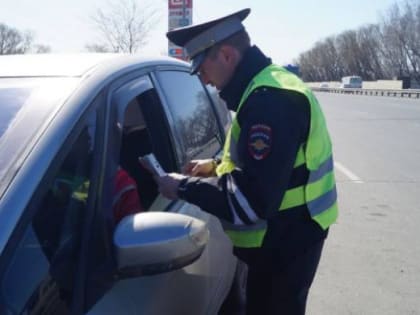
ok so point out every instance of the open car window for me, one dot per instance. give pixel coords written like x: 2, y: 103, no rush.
x: 194, y: 119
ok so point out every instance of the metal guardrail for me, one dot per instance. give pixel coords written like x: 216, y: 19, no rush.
x: 373, y: 92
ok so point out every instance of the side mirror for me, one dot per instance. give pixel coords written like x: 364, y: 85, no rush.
x: 155, y: 242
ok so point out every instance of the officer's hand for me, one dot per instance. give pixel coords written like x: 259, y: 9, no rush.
x: 168, y: 185
x: 203, y: 168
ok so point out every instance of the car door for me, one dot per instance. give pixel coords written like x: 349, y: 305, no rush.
x: 39, y: 266
x: 197, y: 129
x: 140, y: 123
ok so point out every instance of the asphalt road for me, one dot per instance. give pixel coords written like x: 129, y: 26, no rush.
x: 371, y: 260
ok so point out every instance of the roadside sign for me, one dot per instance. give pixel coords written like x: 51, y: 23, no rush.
x: 179, y: 15
x: 180, y: 4
x: 184, y: 22
x: 175, y: 51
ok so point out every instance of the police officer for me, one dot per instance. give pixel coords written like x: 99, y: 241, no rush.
x: 275, y: 182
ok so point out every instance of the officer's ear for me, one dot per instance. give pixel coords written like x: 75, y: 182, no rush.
x: 229, y: 54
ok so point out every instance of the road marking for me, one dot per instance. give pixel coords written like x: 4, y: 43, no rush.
x: 353, y: 177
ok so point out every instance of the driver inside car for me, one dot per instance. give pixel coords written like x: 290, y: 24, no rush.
x: 125, y: 200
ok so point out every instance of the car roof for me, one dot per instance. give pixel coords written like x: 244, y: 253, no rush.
x: 78, y: 78
x: 73, y: 65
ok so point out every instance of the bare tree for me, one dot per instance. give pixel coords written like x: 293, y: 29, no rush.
x: 377, y: 51
x: 406, y: 32
x: 332, y: 60
x: 123, y: 26
x: 393, y: 54
x: 369, y: 38
x: 97, y: 48
x: 349, y: 50
x: 41, y: 49
x: 13, y: 41
x: 308, y: 68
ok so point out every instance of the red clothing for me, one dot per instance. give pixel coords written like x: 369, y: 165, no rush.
x: 126, y: 200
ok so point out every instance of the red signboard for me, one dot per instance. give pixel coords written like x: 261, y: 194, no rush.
x: 175, y: 4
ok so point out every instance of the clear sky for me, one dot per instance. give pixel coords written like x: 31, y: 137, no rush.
x: 282, y: 28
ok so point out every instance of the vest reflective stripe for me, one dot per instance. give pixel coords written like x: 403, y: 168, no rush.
x: 319, y: 181
x: 240, y: 198
x: 306, y: 194
x: 236, y: 219
x: 316, y: 189
x: 327, y: 216
x: 319, y: 193
x: 317, y: 205
x: 254, y: 238
x: 296, y: 196
x: 324, y: 168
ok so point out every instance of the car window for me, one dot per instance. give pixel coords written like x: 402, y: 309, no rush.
x: 193, y: 117
x: 136, y: 142
x: 38, y: 278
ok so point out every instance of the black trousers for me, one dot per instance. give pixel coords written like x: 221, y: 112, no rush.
x: 279, y: 286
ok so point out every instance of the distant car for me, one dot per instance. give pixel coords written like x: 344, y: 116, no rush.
x: 351, y: 82
x: 67, y: 122
x: 324, y: 86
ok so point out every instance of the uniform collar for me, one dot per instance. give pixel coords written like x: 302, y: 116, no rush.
x: 252, y: 63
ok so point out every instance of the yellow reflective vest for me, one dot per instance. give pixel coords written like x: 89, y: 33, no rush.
x: 319, y: 193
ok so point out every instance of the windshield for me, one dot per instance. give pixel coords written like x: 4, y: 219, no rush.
x: 356, y: 80
x: 26, y: 107
x: 11, y: 101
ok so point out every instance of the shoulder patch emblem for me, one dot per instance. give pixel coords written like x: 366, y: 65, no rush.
x: 259, y: 141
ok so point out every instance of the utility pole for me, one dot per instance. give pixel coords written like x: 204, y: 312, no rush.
x: 184, y: 18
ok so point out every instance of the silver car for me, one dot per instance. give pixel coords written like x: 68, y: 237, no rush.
x: 67, y: 123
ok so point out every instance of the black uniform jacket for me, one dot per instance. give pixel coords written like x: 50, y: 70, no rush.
x: 274, y: 123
